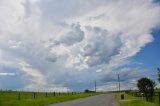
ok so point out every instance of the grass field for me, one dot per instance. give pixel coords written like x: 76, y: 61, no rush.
x: 133, y: 101
x: 10, y: 98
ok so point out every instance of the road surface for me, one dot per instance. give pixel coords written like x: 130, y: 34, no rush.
x: 98, y: 100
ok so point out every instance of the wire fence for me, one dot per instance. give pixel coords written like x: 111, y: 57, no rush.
x: 149, y: 96
x: 19, y: 95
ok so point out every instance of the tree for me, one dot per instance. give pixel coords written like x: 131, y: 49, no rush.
x: 88, y: 91
x: 158, y: 69
x: 146, y: 86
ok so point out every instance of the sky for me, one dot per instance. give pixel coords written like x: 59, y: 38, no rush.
x: 67, y: 45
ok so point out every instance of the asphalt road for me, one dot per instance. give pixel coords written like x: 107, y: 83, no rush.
x: 99, y: 100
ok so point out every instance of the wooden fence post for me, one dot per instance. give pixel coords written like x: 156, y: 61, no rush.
x: 151, y: 96
x: 34, y: 95
x: 19, y: 96
x: 147, y: 96
x: 54, y: 93
x: 159, y: 96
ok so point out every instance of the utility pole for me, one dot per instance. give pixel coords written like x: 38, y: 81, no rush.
x: 95, y: 86
x: 119, y: 83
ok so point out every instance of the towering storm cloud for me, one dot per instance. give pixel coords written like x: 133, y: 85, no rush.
x: 59, y: 44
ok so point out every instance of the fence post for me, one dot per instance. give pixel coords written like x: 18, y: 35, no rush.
x: 19, y: 96
x: 54, y: 93
x: 159, y: 96
x: 34, y: 95
x: 147, y: 96
x: 151, y: 96
x: 46, y: 94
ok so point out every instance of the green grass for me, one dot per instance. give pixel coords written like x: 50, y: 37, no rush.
x: 133, y: 101
x: 27, y: 98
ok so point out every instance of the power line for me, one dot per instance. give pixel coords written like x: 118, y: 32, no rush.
x: 95, y: 86
x: 119, y: 82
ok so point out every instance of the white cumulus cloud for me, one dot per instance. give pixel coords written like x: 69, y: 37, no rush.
x: 58, y: 42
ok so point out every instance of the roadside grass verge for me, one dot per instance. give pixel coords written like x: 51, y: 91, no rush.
x: 132, y: 101
x: 27, y: 98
